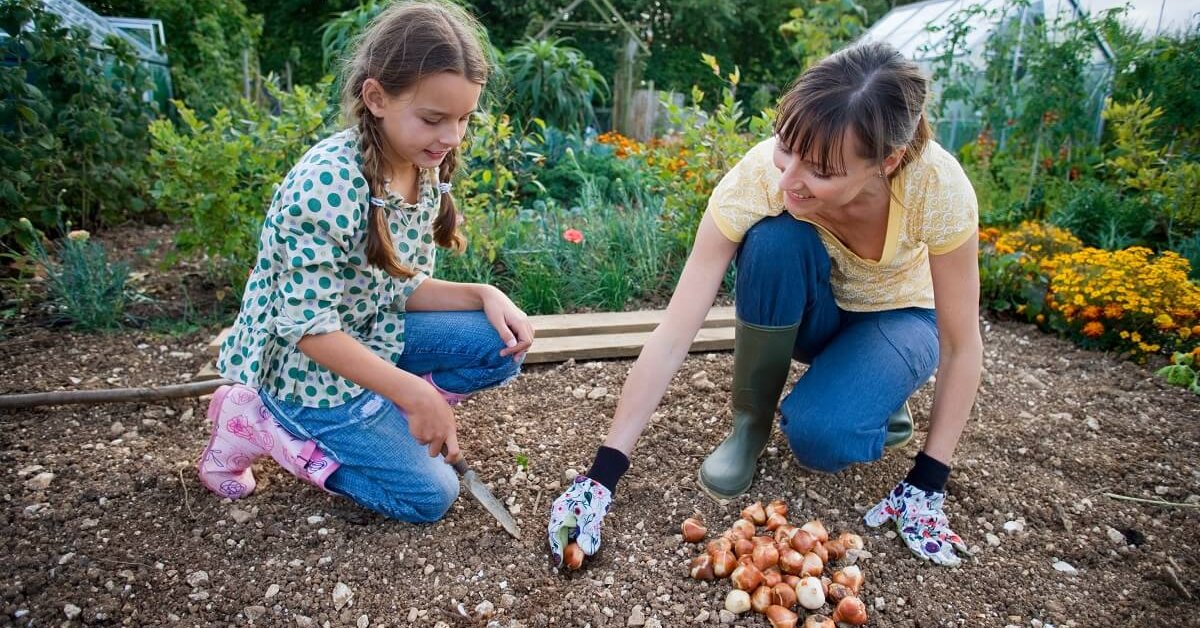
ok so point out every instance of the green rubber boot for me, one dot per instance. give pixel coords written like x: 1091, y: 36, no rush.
x: 900, y: 428
x: 761, y: 359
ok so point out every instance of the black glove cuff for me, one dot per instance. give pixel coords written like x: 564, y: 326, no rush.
x: 928, y: 474
x: 610, y: 464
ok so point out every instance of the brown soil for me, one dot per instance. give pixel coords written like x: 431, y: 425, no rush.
x: 125, y: 535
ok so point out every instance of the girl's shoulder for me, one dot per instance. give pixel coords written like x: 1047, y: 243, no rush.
x: 338, y: 150
x: 334, y: 163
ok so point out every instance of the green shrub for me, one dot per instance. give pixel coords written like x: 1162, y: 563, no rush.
x: 553, y: 82
x: 73, y: 126
x: 216, y: 178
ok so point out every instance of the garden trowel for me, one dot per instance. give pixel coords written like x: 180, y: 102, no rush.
x: 489, y: 502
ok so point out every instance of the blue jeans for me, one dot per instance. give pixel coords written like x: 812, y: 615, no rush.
x: 862, y: 365
x: 383, y: 467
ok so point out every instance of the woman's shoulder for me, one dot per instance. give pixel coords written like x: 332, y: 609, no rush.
x: 939, y: 168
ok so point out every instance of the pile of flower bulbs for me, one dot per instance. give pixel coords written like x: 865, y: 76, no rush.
x: 783, y: 570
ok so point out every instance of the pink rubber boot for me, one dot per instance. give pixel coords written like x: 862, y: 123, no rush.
x: 451, y: 398
x: 243, y: 430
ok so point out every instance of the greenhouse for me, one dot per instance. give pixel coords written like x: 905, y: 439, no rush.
x: 144, y: 35
x: 929, y: 32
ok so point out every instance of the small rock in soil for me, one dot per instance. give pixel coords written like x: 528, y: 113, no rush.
x: 1066, y: 568
x: 363, y: 621
x: 304, y: 621
x: 597, y: 393
x: 254, y: 613
x: 197, y: 579
x: 72, y: 611
x: 40, y: 482
x: 1115, y: 536
x: 992, y: 539
x: 272, y: 591
x: 341, y: 595
x: 1014, y: 527
x: 636, y: 617
x: 727, y: 617
x: 485, y: 610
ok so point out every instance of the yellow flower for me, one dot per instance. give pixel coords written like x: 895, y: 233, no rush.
x: 1164, y: 322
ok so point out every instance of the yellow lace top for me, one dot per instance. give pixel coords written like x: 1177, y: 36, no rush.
x: 933, y: 211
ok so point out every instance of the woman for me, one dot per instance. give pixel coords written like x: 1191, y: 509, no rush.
x: 855, y: 238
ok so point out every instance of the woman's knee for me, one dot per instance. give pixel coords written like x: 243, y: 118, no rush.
x: 782, y: 267
x: 828, y: 440
x: 780, y: 239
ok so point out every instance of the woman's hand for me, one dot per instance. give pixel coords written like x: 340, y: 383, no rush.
x: 577, y: 515
x: 510, y: 322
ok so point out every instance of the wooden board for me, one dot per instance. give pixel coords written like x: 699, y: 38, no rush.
x: 624, y: 345
x: 565, y: 325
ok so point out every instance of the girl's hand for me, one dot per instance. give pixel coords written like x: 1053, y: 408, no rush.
x: 431, y: 422
x: 510, y: 322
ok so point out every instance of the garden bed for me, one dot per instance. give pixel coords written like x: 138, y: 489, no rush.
x: 124, y: 529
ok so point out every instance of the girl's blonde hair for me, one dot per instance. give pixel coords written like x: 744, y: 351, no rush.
x: 870, y: 88
x: 405, y: 43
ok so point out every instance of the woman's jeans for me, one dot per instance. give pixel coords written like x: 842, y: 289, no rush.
x: 383, y: 467
x: 862, y: 365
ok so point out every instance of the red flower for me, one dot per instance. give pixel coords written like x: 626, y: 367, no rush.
x: 574, y: 236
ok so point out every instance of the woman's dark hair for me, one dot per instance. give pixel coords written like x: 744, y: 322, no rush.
x: 869, y: 89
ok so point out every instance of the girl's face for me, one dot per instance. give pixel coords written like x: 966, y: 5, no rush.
x: 808, y: 190
x: 423, y: 123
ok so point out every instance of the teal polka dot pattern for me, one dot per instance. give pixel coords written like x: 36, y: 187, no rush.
x: 312, y: 276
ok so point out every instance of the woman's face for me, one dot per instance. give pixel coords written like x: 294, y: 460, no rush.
x: 422, y: 124
x: 808, y: 190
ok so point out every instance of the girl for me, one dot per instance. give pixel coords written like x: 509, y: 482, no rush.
x: 855, y: 240
x: 348, y: 354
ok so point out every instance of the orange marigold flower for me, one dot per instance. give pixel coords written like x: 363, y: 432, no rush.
x: 1093, y: 329
x: 1092, y: 312
x: 1196, y: 330
x: 1112, y: 310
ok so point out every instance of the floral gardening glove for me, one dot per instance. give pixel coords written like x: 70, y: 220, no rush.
x: 576, y: 516
x: 921, y: 522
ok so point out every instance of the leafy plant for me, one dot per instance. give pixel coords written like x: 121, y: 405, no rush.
x: 825, y: 27
x: 553, y: 82
x: 73, y: 125
x: 217, y: 177
x: 1182, y: 371
x: 700, y: 148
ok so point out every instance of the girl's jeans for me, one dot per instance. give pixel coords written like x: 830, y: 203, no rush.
x: 862, y: 365
x: 383, y: 467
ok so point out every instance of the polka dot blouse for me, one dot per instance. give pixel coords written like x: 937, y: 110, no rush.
x: 312, y: 276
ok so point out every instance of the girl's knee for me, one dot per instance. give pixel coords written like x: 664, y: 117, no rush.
x: 435, y: 501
